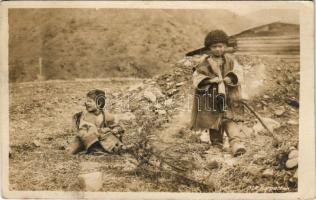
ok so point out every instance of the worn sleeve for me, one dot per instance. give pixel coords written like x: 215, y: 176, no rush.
x: 201, y: 76
x: 109, y: 119
x: 236, y: 74
x: 85, y: 125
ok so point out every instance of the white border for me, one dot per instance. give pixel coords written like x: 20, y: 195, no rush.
x: 306, y: 188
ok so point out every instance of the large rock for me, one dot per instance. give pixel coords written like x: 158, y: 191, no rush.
x: 205, y: 137
x: 150, y: 96
x: 291, y: 163
x: 213, y: 164
x: 293, y: 154
x: 268, y: 173
x: 91, y: 182
x: 90, y: 177
x: 279, y: 111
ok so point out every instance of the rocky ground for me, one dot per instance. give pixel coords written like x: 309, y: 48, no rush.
x: 155, y: 113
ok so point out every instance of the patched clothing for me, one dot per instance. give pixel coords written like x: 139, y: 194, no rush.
x: 94, y: 128
x: 207, y: 112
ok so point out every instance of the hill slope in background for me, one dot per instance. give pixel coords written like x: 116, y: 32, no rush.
x: 99, y: 43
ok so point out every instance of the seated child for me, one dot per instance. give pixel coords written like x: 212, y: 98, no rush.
x: 96, y: 129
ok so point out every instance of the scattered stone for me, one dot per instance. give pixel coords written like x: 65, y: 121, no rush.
x: 292, y: 182
x: 161, y: 112
x: 205, y: 137
x: 264, y: 103
x: 292, y: 122
x: 172, y: 92
x: 169, y: 102
x: 292, y: 148
x: 157, y: 92
x: 295, y: 176
x: 91, y: 182
x: 179, y: 84
x: 187, y: 63
x: 157, y: 106
x: 266, y: 96
x: 293, y: 154
x: 150, y: 96
x: 268, y: 173
x: 37, y: 143
x: 291, y: 163
x: 169, y: 85
x: 213, y: 164
x: 279, y: 111
x: 253, y: 170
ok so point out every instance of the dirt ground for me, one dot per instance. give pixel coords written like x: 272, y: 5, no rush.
x: 156, y: 117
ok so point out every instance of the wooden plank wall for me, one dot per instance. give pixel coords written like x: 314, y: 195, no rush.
x: 284, y: 47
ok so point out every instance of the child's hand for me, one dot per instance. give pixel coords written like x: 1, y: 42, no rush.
x: 227, y: 80
x: 215, y: 80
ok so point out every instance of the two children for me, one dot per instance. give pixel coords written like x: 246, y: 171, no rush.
x: 96, y: 129
x: 217, y: 88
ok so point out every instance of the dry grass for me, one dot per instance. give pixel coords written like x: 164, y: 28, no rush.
x: 41, y: 126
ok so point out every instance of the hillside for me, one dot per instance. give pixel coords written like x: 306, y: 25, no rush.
x: 94, y: 43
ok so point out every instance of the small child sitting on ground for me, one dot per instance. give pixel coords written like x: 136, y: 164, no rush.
x: 96, y: 129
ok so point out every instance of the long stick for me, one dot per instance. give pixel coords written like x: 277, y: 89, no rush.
x: 260, y: 119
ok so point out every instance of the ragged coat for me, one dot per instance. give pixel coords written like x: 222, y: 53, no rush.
x: 205, y: 114
x: 101, y: 128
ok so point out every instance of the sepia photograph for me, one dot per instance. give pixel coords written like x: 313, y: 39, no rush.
x: 158, y: 99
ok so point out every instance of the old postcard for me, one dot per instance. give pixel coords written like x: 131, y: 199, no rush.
x: 156, y: 100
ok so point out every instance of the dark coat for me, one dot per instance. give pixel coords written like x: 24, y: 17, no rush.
x: 205, y: 112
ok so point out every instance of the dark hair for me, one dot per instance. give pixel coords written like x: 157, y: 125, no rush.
x: 215, y: 36
x: 99, y: 98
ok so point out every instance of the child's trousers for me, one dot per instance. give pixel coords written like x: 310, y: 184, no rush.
x: 233, y: 134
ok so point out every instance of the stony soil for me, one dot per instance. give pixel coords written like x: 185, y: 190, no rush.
x: 155, y: 113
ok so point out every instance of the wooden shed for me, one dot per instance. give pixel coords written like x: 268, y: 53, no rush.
x: 277, y: 39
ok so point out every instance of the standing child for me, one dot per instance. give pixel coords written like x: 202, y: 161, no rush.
x: 217, y: 88
x: 96, y: 129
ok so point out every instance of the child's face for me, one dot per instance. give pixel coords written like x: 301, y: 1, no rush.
x: 218, y: 49
x: 90, y: 105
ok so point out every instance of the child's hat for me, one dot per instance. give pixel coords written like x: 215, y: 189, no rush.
x: 216, y: 36
x: 213, y: 37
